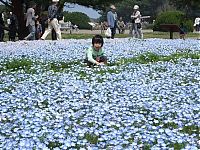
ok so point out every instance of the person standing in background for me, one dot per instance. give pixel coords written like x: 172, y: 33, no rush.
x: 38, y: 31
x: 112, y: 20
x: 30, y: 21
x: 13, y: 26
x: 1, y: 28
x: 136, y: 23
x: 197, y: 24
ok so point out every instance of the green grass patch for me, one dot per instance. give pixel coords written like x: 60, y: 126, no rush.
x: 17, y: 64
x: 166, y: 35
x: 162, y: 35
x: 58, y: 66
x: 53, y: 145
x: 28, y: 65
x: 93, y: 139
x: 191, y: 130
x: 177, y: 146
x: 170, y: 125
x: 153, y: 58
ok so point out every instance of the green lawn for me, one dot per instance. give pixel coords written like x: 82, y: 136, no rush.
x: 164, y: 35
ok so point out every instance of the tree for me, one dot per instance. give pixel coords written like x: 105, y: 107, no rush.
x: 190, y: 7
x: 78, y: 18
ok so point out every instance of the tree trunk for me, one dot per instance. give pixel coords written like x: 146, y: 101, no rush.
x: 18, y: 10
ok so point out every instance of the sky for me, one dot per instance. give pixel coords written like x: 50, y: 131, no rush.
x: 78, y: 8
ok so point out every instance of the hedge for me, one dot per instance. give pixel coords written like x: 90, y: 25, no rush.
x: 172, y: 17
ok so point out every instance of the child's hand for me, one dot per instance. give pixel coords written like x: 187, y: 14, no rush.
x: 101, y: 64
x: 98, y: 59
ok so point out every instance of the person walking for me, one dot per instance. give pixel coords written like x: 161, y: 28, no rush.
x: 53, y: 21
x: 136, y: 23
x: 30, y: 21
x: 112, y: 20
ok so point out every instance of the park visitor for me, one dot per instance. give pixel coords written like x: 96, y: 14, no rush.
x: 121, y: 25
x: 1, y: 28
x: 112, y: 20
x: 136, y: 23
x: 30, y: 21
x: 13, y: 26
x: 197, y: 24
x: 182, y: 31
x: 95, y: 54
x: 53, y: 21
x: 38, y: 31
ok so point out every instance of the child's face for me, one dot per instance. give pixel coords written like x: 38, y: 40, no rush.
x: 97, y: 46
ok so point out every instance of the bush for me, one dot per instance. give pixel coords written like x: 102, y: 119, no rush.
x: 172, y: 17
x: 78, y: 18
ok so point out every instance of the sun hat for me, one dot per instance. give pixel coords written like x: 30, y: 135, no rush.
x: 136, y: 7
x: 55, y: 0
x: 112, y: 7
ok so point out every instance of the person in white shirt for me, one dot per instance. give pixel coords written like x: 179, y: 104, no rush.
x: 197, y: 24
x: 136, y: 23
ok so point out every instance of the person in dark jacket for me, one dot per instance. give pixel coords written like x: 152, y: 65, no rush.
x: 38, y: 32
x: 1, y: 28
x: 13, y: 27
x: 53, y: 21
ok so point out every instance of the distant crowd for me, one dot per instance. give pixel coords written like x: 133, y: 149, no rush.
x: 35, y: 24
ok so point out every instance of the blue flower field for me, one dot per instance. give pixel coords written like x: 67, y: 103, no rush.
x: 148, y: 97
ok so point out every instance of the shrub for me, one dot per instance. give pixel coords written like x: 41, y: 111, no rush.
x: 78, y: 18
x: 172, y: 17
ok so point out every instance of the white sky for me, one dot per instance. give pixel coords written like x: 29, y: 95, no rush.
x: 88, y: 11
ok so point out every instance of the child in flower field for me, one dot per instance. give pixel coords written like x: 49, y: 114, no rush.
x: 95, y: 54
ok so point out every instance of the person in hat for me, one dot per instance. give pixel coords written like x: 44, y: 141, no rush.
x: 53, y: 21
x: 136, y: 23
x: 112, y: 20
